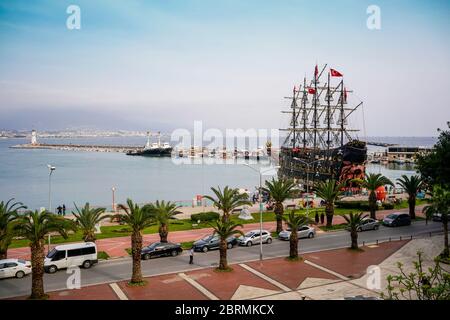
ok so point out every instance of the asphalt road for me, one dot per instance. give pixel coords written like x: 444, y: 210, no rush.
x: 120, y: 269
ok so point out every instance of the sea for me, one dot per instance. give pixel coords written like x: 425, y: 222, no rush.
x: 82, y: 177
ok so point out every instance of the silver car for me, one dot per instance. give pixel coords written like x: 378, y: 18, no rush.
x: 253, y: 237
x: 368, y: 224
x: 302, y: 232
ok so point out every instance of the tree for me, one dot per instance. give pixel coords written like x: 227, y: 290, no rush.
x: 279, y: 190
x: 228, y: 200
x: 440, y: 203
x: 330, y: 191
x: 163, y: 212
x: 137, y: 219
x: 419, y: 285
x: 34, y: 226
x: 372, y: 182
x: 433, y: 166
x: 8, y: 213
x: 225, y: 229
x: 294, y: 222
x: 353, y: 222
x: 411, y: 186
x: 87, y: 218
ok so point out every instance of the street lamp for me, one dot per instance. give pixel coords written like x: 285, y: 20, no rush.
x: 51, y: 169
x: 260, y: 172
x: 113, y: 189
x: 307, y: 179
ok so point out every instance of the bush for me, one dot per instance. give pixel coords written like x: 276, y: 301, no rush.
x: 388, y: 206
x: 205, y: 216
x: 351, y: 204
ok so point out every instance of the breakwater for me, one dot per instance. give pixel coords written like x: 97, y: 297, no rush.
x: 78, y: 147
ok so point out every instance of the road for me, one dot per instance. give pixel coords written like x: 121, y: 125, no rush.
x: 120, y: 269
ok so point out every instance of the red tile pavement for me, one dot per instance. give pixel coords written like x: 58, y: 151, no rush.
x: 289, y: 273
x: 224, y: 284
x: 166, y: 287
x: 351, y: 263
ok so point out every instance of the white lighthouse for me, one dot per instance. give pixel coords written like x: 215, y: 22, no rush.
x: 33, y: 137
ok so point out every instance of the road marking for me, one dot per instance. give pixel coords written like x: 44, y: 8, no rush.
x: 340, y: 276
x: 263, y: 276
x: 120, y: 294
x: 198, y: 286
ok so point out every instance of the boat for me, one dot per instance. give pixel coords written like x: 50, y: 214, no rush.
x: 319, y: 145
x: 157, y: 149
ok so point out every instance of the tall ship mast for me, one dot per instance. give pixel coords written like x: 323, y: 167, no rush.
x: 319, y: 145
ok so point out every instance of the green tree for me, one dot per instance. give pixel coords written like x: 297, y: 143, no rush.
x: 34, y: 226
x: 353, y: 222
x: 228, y: 200
x: 163, y: 212
x: 372, y: 182
x: 411, y: 186
x: 137, y: 219
x: 279, y: 191
x: 225, y: 229
x: 440, y: 203
x: 433, y: 166
x: 87, y: 218
x: 8, y: 213
x: 330, y: 191
x: 294, y: 222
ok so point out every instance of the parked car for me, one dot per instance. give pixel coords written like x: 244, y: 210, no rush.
x: 368, y: 224
x: 159, y: 249
x: 437, y: 217
x: 302, y: 232
x: 253, y: 237
x: 397, y: 219
x: 71, y: 255
x: 211, y: 242
x: 14, y: 268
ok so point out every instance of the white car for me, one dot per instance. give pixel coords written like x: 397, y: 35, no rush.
x: 71, y: 255
x: 252, y: 237
x: 18, y: 268
x: 302, y: 232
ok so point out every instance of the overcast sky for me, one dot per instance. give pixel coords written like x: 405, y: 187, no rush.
x: 161, y: 65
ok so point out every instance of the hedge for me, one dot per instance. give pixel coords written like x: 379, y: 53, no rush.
x: 362, y: 205
x: 205, y: 216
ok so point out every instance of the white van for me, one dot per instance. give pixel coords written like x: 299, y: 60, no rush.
x: 71, y: 255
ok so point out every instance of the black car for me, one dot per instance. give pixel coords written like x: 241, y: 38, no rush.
x: 159, y: 249
x: 397, y: 219
x: 212, y: 242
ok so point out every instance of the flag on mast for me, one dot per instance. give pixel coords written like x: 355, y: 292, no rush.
x: 335, y: 73
x: 311, y: 90
x: 316, y: 71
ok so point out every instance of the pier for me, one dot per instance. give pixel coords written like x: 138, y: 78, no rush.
x: 77, y: 147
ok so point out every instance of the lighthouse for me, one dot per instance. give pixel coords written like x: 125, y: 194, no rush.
x: 33, y: 137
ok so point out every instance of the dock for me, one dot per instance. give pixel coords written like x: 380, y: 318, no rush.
x: 78, y: 147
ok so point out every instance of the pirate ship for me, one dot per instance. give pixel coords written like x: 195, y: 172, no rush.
x: 319, y: 145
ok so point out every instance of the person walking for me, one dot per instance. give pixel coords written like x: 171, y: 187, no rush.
x: 59, y: 208
x: 191, y: 255
x: 64, y: 209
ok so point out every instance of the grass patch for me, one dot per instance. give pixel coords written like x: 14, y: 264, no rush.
x: 274, y: 234
x: 334, y: 227
x: 443, y: 259
x: 229, y: 269
x: 102, y: 255
x: 187, y: 245
x: 128, y: 250
x: 137, y: 284
x: 295, y: 259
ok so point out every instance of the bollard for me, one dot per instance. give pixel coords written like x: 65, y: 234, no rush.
x: 364, y: 243
x: 377, y: 241
x: 389, y: 239
x: 411, y: 237
x: 400, y: 238
x: 430, y: 234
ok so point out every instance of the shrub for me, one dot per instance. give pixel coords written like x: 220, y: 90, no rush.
x: 205, y: 216
x: 388, y: 206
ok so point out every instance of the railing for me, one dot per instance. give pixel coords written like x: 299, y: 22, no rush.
x: 401, y: 238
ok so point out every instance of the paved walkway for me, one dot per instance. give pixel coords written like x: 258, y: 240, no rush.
x: 115, y: 247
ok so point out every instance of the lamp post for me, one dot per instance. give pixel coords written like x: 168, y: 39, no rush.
x: 51, y: 169
x: 113, y: 189
x: 307, y: 179
x: 260, y: 172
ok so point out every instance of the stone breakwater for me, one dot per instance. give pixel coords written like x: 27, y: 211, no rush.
x: 78, y: 147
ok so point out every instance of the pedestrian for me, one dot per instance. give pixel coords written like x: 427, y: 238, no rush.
x: 322, y: 218
x: 191, y: 255
x: 316, y: 218
x: 59, y: 208
x: 64, y: 209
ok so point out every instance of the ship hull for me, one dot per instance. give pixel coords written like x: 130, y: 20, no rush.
x: 159, y: 152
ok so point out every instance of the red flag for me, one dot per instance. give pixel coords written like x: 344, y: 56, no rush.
x: 311, y: 90
x: 345, y: 95
x: 335, y: 73
x: 316, y: 71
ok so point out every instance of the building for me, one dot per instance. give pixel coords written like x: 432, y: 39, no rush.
x: 404, y: 154
x: 34, y: 137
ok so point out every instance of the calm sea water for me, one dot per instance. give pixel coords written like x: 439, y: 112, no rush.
x: 88, y: 176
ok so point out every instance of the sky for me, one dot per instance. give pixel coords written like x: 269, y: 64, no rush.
x: 161, y: 65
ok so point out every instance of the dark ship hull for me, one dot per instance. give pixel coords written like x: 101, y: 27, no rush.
x: 154, y: 152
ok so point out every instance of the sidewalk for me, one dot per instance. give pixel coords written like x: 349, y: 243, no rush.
x: 115, y: 247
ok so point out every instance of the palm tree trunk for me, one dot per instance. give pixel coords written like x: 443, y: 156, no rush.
x: 37, y: 271
x: 412, y: 206
x: 223, y: 263
x: 279, y: 216
x: 373, y: 204
x: 3, y: 254
x: 329, y: 210
x: 225, y: 216
x: 293, y: 245
x: 445, y: 223
x: 89, y: 237
x: 163, y: 232
x: 354, y: 236
x: 136, y: 247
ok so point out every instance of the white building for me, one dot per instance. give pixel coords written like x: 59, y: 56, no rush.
x: 33, y: 137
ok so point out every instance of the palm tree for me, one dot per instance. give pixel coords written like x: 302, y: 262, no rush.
x: 87, y: 218
x: 411, y: 186
x: 34, y: 226
x: 225, y: 229
x: 279, y: 190
x: 137, y: 219
x: 8, y: 213
x: 440, y: 203
x: 330, y: 191
x: 163, y: 212
x: 228, y: 200
x: 372, y: 182
x: 353, y: 221
x: 294, y: 221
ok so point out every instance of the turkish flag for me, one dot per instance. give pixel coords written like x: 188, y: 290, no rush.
x: 311, y: 90
x: 335, y: 73
x: 316, y: 71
